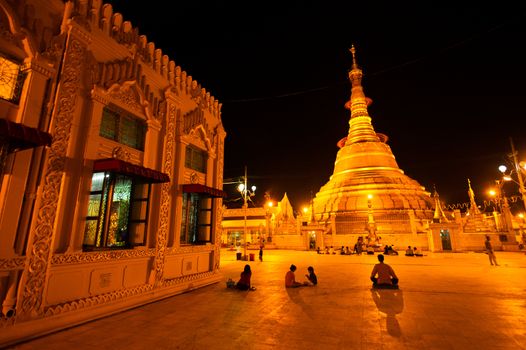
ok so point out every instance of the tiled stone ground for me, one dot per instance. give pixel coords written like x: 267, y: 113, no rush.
x: 446, y: 301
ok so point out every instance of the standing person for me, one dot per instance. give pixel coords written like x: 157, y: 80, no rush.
x: 290, y: 278
x: 261, y: 253
x: 311, y: 276
x: 386, y: 274
x: 489, y: 250
x: 244, y: 281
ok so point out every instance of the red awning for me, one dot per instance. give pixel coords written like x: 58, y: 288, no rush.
x: 121, y: 167
x: 20, y: 137
x: 197, y: 188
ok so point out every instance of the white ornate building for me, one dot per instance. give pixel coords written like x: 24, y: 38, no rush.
x: 111, y: 167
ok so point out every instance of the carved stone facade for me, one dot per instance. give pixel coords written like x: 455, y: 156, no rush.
x: 83, y: 62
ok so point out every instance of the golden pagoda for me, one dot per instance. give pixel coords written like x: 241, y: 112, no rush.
x: 368, y: 194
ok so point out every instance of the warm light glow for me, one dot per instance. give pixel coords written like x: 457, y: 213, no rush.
x: 270, y: 204
x: 492, y: 193
x: 9, y: 71
x: 507, y: 178
x: 253, y: 188
x: 521, y: 215
x: 502, y: 168
x: 523, y: 165
x: 241, y: 187
x: 370, y: 196
x: 305, y: 209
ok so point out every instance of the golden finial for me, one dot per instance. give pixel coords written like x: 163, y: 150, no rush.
x: 353, y: 53
x: 469, y: 186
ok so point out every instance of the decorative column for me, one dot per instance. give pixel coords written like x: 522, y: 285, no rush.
x: 34, y: 277
x: 167, y: 196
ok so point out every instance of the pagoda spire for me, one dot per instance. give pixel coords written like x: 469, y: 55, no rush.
x: 360, y: 127
x: 472, y: 204
x: 439, y: 214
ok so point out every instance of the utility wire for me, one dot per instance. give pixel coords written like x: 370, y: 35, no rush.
x: 380, y: 72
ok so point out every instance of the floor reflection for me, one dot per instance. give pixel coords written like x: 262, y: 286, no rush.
x: 391, y: 303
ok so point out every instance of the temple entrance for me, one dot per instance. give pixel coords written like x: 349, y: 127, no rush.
x: 312, y: 240
x: 234, y: 238
x: 446, y: 239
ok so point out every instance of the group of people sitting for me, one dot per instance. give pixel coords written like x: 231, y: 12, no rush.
x: 290, y: 278
x: 413, y: 251
x: 382, y: 276
x: 388, y: 250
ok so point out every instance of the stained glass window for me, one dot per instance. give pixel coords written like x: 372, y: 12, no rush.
x: 11, y: 80
x: 117, y: 214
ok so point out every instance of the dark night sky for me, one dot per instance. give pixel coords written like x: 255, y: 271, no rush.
x: 448, y: 84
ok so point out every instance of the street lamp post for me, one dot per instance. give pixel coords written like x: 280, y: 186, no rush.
x: 246, y: 193
x: 520, y: 183
x: 518, y: 170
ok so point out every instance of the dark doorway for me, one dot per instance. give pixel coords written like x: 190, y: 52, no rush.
x: 446, y: 239
x: 312, y: 240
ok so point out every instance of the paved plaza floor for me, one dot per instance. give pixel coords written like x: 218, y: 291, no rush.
x: 445, y: 301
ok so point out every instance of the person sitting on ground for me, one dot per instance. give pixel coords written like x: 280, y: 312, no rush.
x: 386, y: 250
x: 386, y: 274
x: 370, y: 250
x: 311, y: 276
x: 290, y: 278
x: 417, y: 252
x: 391, y: 251
x: 409, y: 251
x: 342, y: 251
x: 244, y: 281
x: 347, y: 251
x: 326, y: 250
x: 318, y: 250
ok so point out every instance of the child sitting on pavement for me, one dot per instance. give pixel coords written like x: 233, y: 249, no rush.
x: 311, y: 276
x: 290, y: 279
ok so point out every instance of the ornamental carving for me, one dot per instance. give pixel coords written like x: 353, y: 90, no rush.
x: 54, y: 49
x: 219, y: 201
x: 179, y: 280
x: 194, y: 119
x: 194, y: 178
x: 127, y: 96
x: 12, y: 264
x: 95, y: 257
x: 95, y: 300
x: 40, y: 236
x: 188, y: 249
x: 164, y: 211
x: 120, y: 153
